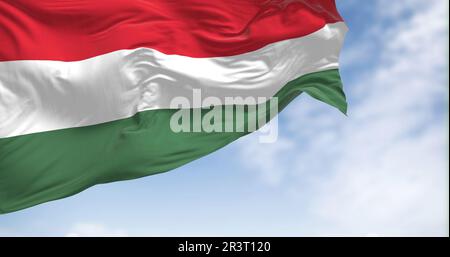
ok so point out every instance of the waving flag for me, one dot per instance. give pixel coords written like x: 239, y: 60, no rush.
x: 86, y: 86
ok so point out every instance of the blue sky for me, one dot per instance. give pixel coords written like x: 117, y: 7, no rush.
x: 383, y: 170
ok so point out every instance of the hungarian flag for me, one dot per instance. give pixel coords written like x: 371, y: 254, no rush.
x: 99, y: 91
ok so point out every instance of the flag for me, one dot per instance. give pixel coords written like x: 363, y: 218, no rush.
x: 87, y: 88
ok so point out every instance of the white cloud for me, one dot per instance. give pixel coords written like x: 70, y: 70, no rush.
x: 93, y: 230
x: 382, y: 170
x: 266, y: 162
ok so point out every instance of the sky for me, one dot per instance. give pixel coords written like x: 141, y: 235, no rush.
x: 382, y: 170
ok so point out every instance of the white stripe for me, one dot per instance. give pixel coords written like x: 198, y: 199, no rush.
x: 37, y: 96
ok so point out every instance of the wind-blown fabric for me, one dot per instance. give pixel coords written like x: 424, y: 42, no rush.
x: 86, y: 86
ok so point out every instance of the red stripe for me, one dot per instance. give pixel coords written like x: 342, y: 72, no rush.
x: 72, y: 30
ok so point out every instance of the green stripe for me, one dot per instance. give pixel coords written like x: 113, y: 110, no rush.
x: 45, y: 166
